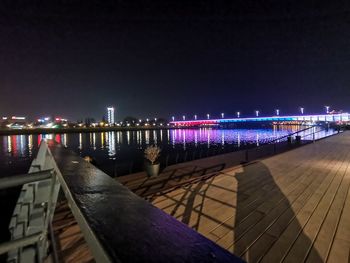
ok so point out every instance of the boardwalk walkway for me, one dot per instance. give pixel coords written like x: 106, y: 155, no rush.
x: 293, y: 207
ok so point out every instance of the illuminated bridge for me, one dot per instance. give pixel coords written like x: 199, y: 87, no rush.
x: 307, y: 119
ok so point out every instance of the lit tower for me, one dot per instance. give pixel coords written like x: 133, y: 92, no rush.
x: 110, y: 115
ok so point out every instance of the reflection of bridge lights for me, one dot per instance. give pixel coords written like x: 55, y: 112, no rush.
x: 184, y: 139
x: 208, y: 138
x: 80, y: 141
x: 155, y: 139
x: 128, y: 137
x: 102, y: 140
x: 94, y: 141
x: 30, y: 144
x: 195, y: 138
x: 147, y: 137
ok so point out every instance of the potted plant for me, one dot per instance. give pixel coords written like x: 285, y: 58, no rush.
x: 152, y: 166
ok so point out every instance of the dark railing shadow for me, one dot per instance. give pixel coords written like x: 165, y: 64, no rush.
x: 175, y: 178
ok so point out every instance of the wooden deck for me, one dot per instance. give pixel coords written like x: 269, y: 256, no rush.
x: 293, y: 207
x: 70, y: 242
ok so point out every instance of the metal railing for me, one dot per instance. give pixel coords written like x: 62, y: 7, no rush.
x: 290, y: 141
x: 33, y: 213
x: 124, y: 228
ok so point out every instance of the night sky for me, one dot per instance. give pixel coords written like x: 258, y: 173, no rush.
x: 163, y: 58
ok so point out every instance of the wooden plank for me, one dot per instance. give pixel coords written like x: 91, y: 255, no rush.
x: 278, y: 251
x: 328, y: 229
x: 304, y: 242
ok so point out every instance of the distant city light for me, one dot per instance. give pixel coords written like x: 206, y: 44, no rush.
x: 155, y: 119
x: 238, y: 114
x: 184, y: 117
x: 4, y: 118
x: 195, y: 116
x: 301, y: 110
x: 173, y: 118
x: 18, y: 118
x: 257, y: 113
x: 140, y: 120
x: 110, y: 115
x: 277, y: 112
x: 222, y: 115
x: 327, y: 109
x: 147, y: 119
x: 208, y: 116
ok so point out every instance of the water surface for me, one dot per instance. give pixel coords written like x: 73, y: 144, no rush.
x: 121, y: 152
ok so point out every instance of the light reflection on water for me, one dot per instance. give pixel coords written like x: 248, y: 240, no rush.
x: 128, y: 145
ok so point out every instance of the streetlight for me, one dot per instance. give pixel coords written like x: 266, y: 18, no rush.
x: 277, y: 112
x: 183, y: 117
x: 173, y: 118
x: 302, y: 110
x: 238, y: 114
x: 195, y: 116
x: 208, y: 116
x: 155, y: 119
x: 222, y: 115
x: 257, y: 113
x: 140, y: 120
x: 147, y: 119
x: 327, y: 109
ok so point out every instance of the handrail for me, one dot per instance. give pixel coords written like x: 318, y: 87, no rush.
x: 125, y: 227
x: 34, y: 209
x: 17, y: 180
x: 315, y: 132
x: 288, y: 135
x: 21, y: 242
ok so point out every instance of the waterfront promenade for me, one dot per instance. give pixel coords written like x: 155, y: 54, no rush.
x: 292, y: 207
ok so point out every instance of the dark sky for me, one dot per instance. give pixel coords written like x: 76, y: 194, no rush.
x: 163, y: 58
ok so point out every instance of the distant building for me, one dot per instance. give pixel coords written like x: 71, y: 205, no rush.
x: 110, y: 115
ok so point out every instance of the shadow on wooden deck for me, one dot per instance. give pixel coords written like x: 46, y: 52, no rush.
x: 249, y: 213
